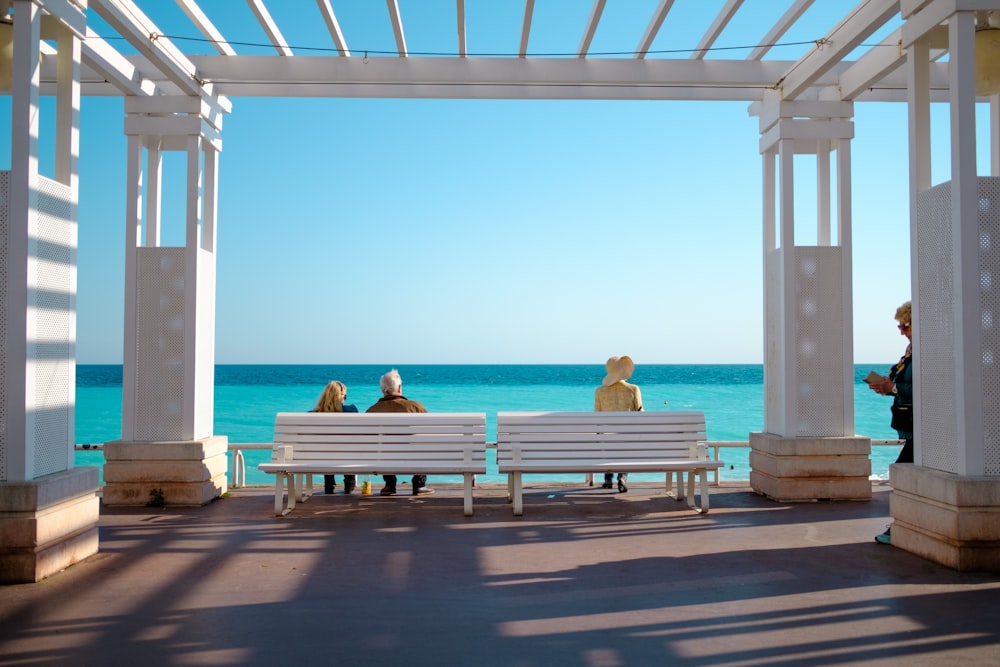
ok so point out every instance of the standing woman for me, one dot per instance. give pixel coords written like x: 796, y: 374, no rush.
x: 332, y: 400
x: 899, y: 385
x: 615, y: 394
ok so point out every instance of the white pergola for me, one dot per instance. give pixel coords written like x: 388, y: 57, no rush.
x: 178, y: 84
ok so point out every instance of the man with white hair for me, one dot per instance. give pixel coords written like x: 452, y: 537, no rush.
x: 393, y: 401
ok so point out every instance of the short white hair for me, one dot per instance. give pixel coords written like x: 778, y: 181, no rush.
x: 391, y: 383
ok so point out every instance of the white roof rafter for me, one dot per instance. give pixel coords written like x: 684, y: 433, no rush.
x: 167, y: 67
x: 270, y: 27
x: 588, y: 34
x: 780, y: 28
x: 460, y: 15
x: 529, y: 8
x: 652, y: 29
x: 206, y: 27
x: 845, y: 36
x: 718, y: 25
x: 132, y: 24
x: 333, y: 25
x: 397, y: 27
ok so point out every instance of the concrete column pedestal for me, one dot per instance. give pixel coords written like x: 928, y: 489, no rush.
x: 950, y: 519
x: 172, y: 473
x: 810, y: 468
x: 47, y: 524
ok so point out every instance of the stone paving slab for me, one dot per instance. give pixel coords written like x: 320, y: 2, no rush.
x: 586, y: 577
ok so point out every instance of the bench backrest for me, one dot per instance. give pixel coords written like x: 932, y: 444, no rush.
x: 569, y: 435
x: 344, y: 437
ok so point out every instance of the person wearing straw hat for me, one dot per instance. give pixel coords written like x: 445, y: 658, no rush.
x: 615, y: 394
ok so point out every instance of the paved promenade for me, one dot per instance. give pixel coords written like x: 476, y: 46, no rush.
x: 586, y: 577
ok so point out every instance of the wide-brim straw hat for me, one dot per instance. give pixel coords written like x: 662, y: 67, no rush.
x: 619, y: 368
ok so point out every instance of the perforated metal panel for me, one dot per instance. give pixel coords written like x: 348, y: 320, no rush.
x: 774, y: 404
x: 989, y: 265
x: 4, y: 231
x: 813, y: 404
x: 819, y: 344
x: 160, y: 336
x: 938, y: 364
x: 935, y: 295
x: 52, y: 327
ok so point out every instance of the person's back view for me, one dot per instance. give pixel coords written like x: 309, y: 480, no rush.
x: 393, y: 401
x: 332, y: 400
x: 617, y: 395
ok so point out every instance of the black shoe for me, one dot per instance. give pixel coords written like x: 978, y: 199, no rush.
x: 422, y: 491
x: 621, y: 487
x: 608, y: 485
x: 387, y: 491
x: 348, y: 489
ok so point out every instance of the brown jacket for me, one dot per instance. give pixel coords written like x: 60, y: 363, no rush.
x: 396, y: 404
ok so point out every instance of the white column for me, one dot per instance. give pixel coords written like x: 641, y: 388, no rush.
x: 48, y: 508
x: 808, y: 450
x: 168, y: 445
x: 19, y: 442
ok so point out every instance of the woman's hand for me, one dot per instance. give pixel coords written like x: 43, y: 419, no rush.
x: 883, y: 386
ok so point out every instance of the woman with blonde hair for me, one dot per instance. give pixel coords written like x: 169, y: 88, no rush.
x: 332, y: 400
x: 899, y: 385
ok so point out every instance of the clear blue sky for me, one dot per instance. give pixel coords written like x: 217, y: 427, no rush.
x: 453, y: 231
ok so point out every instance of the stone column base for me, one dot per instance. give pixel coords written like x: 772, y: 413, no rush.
x: 47, y: 524
x: 810, y: 468
x: 189, y: 473
x: 949, y: 519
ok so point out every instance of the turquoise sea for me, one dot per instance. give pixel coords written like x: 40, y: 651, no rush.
x: 247, y: 397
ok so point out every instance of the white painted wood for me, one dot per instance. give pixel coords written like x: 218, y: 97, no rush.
x: 397, y: 27
x: 722, y: 19
x: 839, y: 42
x: 376, y: 444
x: 588, y: 32
x: 874, y: 66
x: 652, y: 29
x: 270, y: 27
x: 333, y: 25
x: 206, y: 27
x: 529, y: 8
x: 786, y: 21
x: 460, y: 17
x: 966, y: 245
x: 566, y: 442
x: 132, y: 24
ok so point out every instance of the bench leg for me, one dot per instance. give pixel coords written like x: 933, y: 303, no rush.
x: 702, y: 476
x: 304, y: 484
x: 590, y: 479
x: 515, y: 480
x: 678, y: 491
x: 280, y: 479
x: 470, y: 480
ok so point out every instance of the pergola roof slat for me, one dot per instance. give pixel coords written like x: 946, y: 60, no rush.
x: 333, y: 25
x: 270, y: 27
x: 206, y: 27
x: 652, y: 29
x: 397, y: 27
x: 588, y: 34
x: 529, y: 8
x: 722, y: 19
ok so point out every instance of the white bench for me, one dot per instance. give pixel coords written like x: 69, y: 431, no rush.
x: 345, y: 443
x: 633, y: 442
